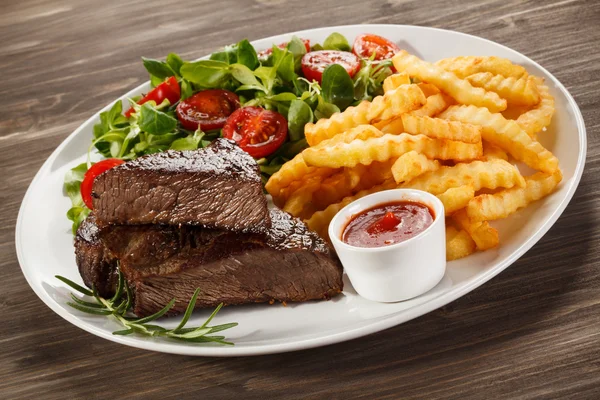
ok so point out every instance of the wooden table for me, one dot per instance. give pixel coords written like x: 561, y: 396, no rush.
x: 531, y: 332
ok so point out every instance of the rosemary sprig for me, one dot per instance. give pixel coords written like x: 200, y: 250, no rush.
x: 119, y: 305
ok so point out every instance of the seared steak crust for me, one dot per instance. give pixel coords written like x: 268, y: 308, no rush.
x: 97, y: 267
x: 217, y: 187
x: 285, y: 263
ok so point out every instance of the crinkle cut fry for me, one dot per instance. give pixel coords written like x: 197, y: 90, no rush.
x: 464, y: 66
x: 296, y: 170
x: 482, y: 233
x: 477, y: 174
x: 293, y: 170
x: 506, y: 134
x: 459, y: 89
x: 412, y: 164
x: 456, y: 198
x: 390, y: 146
x: 393, y: 103
x: 488, y: 207
x: 459, y: 244
x: 517, y: 91
x: 535, y: 120
x: 438, y: 128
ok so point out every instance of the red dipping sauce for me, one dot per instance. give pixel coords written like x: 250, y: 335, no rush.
x: 387, y: 224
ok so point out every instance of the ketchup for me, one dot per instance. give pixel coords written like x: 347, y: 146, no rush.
x: 387, y: 224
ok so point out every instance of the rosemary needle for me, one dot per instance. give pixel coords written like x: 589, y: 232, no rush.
x: 118, y: 306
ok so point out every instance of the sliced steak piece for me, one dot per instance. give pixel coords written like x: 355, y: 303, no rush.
x: 288, y: 263
x: 96, y: 266
x: 217, y: 187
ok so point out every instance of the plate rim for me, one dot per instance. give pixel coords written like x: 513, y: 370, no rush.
x: 337, y: 337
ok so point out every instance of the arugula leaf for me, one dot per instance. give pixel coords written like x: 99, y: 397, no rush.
x: 284, y: 96
x: 246, y: 77
x: 155, y: 122
x: 368, y: 81
x: 246, y: 55
x: 72, y: 186
x: 206, y: 73
x: 175, y: 62
x: 296, y: 47
x: 298, y: 115
x: 191, y: 142
x: 283, y: 61
x: 227, y: 55
x: 325, y: 109
x: 113, y: 126
x: 186, y: 89
x: 158, y: 69
x: 336, y: 41
x: 338, y: 87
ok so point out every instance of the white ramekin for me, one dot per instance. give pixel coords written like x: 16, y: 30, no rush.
x: 399, y: 271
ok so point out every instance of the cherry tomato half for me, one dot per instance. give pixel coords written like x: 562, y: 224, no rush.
x: 257, y: 131
x: 208, y: 109
x: 315, y: 62
x: 263, y: 55
x: 368, y: 44
x: 169, y: 89
x: 91, y: 174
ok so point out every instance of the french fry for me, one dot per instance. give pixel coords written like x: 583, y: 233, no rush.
x: 434, y: 105
x: 506, y: 134
x: 518, y: 91
x: 464, y: 66
x: 293, y: 170
x: 459, y: 89
x: 484, y: 236
x: 296, y: 169
x: 540, y: 116
x: 298, y: 200
x: 477, y: 174
x: 514, y: 112
x: 491, y: 152
x: 389, y: 146
x: 458, y: 244
x: 395, y: 80
x: 456, y: 198
x: 360, y: 132
x: 488, y: 207
x: 319, y: 222
x: 342, y: 184
x: 441, y: 129
x: 393, y: 103
x: 428, y: 89
x: 393, y: 125
x: 412, y: 164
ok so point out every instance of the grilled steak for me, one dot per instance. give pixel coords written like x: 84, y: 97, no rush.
x: 218, y: 187
x: 160, y: 262
x: 96, y: 266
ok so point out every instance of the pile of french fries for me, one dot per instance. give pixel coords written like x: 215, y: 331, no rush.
x: 455, y: 128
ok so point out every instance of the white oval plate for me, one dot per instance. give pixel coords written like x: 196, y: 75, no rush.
x: 45, y: 248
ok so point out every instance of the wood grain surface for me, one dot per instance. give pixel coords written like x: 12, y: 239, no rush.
x: 532, y: 332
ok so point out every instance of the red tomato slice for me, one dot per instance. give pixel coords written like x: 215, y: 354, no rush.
x: 368, y: 44
x: 257, y: 131
x: 91, y: 174
x: 169, y: 89
x: 208, y: 109
x: 263, y: 55
x: 315, y: 62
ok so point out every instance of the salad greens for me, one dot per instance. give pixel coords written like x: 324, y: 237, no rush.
x: 272, y: 80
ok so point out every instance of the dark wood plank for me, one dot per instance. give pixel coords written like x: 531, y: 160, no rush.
x: 532, y: 332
